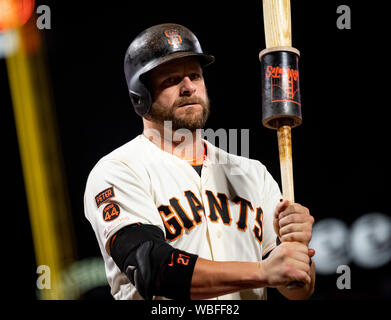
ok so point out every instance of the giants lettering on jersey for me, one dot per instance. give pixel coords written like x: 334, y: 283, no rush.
x: 176, y: 219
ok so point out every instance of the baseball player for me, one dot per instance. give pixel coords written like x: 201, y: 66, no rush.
x: 178, y: 218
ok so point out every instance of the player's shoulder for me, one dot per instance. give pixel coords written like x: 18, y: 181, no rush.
x: 132, y: 150
x: 129, y: 156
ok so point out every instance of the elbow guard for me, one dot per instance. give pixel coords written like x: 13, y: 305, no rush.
x: 152, y: 265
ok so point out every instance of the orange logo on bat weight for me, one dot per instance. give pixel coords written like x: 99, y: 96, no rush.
x: 173, y: 38
x: 285, y: 80
x: 111, y: 212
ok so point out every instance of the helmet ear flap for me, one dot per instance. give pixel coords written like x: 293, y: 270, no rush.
x: 136, y: 98
x: 141, y: 102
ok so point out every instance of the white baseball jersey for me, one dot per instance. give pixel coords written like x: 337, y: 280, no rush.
x: 226, y: 214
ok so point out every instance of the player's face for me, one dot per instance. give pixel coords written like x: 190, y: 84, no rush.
x: 179, y: 94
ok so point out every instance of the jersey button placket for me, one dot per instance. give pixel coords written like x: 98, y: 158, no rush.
x: 204, y: 199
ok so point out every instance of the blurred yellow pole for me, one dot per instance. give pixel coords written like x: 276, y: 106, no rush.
x: 50, y: 218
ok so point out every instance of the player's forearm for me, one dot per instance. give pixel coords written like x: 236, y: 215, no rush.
x: 300, y: 293
x: 213, y: 278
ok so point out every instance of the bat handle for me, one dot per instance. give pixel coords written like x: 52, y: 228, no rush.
x: 285, y: 152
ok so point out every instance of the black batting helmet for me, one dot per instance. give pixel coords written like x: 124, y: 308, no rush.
x: 153, y: 47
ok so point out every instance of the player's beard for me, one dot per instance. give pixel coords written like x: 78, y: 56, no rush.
x: 190, y: 120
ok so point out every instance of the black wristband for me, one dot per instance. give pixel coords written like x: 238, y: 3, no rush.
x: 174, y: 280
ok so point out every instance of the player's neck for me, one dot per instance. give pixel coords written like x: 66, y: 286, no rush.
x: 184, y: 144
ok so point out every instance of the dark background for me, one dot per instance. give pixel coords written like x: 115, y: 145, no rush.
x: 340, y: 150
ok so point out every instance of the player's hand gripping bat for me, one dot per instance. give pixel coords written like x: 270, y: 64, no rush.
x: 281, y: 104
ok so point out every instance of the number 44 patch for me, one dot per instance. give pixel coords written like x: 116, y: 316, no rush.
x: 111, y: 212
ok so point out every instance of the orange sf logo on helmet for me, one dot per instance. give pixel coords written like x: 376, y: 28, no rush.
x: 173, y: 38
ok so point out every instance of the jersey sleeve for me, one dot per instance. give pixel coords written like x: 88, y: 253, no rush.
x: 271, y: 198
x: 118, y: 195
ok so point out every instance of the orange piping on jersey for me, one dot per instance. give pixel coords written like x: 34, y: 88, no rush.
x: 205, y: 150
x: 195, y: 161
x: 199, y: 161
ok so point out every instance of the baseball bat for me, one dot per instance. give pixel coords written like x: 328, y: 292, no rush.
x: 278, y: 37
x: 277, y: 24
